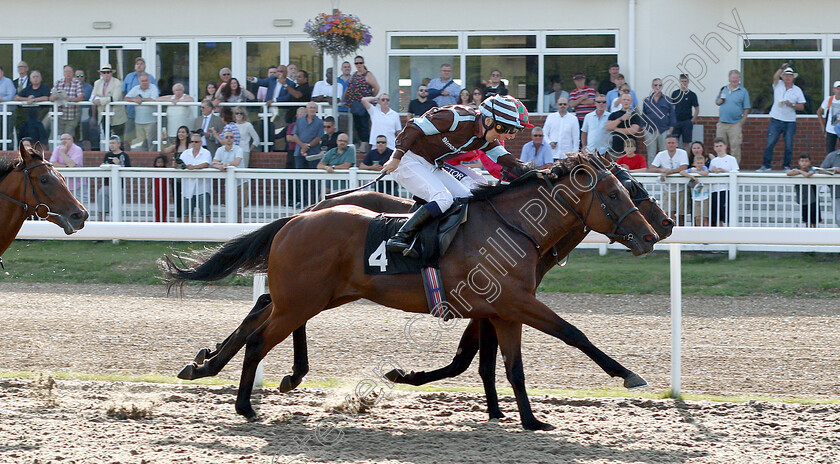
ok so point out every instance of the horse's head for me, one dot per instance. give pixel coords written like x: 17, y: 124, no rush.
x: 605, y: 206
x: 45, y: 192
x: 647, y: 204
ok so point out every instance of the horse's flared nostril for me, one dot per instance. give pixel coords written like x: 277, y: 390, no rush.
x: 650, y: 238
x: 667, y: 223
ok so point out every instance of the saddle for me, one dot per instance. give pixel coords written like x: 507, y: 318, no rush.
x: 431, y: 243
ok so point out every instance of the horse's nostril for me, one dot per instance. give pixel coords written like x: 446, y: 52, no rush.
x: 650, y: 238
x: 667, y: 223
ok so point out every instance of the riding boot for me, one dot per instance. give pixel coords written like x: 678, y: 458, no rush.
x: 401, y: 241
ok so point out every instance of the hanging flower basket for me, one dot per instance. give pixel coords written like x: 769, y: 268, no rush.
x: 337, y: 34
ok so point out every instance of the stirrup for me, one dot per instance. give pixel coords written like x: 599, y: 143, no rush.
x: 410, y: 252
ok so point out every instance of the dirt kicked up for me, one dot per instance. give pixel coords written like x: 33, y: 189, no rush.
x: 733, y: 346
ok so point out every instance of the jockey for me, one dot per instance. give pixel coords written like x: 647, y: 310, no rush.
x: 467, y: 175
x: 440, y: 134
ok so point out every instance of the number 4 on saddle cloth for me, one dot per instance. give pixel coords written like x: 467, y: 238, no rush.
x: 431, y: 242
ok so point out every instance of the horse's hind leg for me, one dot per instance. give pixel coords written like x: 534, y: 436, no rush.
x: 467, y: 348
x: 534, y: 313
x: 300, y: 367
x: 229, y: 348
x: 204, y: 353
x: 509, y: 334
x: 488, y: 348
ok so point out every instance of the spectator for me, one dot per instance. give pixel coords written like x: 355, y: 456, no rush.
x: 196, y: 192
x: 232, y: 92
x: 623, y: 125
x: 161, y: 191
x: 307, y: 136
x: 87, y: 132
x: 114, y: 155
x: 723, y: 162
x: 248, y: 137
x: 108, y: 89
x: 7, y: 87
x: 206, y: 124
x: 35, y: 92
x: 443, y: 90
x: 178, y: 143
x: 292, y: 69
x: 145, y: 122
x: 229, y: 125
x: 495, y: 86
x: 377, y: 156
x: 224, y: 77
x: 618, y: 90
x: 331, y: 134
x: 23, y: 76
x: 323, y: 90
x: 555, y: 91
x: 787, y: 98
x: 383, y: 120
x: 68, y: 154
x: 610, y: 83
x: 672, y: 160
x: 260, y: 90
x: 66, y: 89
x: 177, y: 114
x: 362, y: 84
x: 344, y: 80
x: 832, y: 162
x: 630, y: 160
x: 582, y: 98
x: 304, y: 89
x: 594, y: 135
x: 210, y: 90
x: 806, y: 196
x: 537, y: 151
x: 422, y: 103
x: 132, y: 80
x: 734, y: 103
x: 831, y: 109
x: 659, y: 118
x: 477, y: 97
x: 464, y: 97
x: 562, y: 131
x: 697, y: 148
x: 287, y: 134
x: 699, y: 191
x: 685, y: 101
x: 280, y: 89
x: 229, y: 154
x: 343, y: 156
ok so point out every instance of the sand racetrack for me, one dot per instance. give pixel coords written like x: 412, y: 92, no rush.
x: 733, y: 346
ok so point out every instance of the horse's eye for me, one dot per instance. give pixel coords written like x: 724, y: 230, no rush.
x: 44, y: 179
x: 613, y: 195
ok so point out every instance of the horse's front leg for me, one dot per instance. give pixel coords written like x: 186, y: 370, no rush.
x: 509, y: 334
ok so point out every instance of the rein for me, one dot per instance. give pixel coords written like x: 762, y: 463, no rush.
x: 26, y: 206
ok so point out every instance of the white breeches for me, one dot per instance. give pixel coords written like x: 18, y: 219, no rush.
x: 424, y: 180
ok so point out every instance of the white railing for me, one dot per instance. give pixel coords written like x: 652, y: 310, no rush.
x: 8, y: 138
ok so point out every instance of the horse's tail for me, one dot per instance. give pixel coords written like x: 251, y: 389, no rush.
x: 247, y: 252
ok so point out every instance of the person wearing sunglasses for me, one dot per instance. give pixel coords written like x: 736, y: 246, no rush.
x: 196, y: 192
x: 659, y: 118
x: 495, y: 86
x: 383, y: 120
x: 67, y: 89
x: 444, y: 133
x: 422, y: 103
x: 108, y: 89
x: 562, y: 131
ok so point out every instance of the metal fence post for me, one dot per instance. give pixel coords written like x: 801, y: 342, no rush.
x: 676, y: 319
x: 230, y: 195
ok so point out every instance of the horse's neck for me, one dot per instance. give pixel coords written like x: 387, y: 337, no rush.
x: 560, y: 250
x: 11, y: 215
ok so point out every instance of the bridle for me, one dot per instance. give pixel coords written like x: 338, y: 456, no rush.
x: 32, y: 210
x: 637, y: 191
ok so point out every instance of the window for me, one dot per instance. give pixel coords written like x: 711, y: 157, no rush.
x: 260, y: 56
x: 6, y: 61
x: 525, y: 60
x: 122, y: 61
x: 787, y: 45
x: 212, y: 57
x: 173, y: 66
x: 308, y: 59
x: 39, y: 57
x: 757, y: 76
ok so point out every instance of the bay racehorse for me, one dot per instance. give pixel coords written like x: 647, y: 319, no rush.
x: 29, y: 186
x: 576, y: 186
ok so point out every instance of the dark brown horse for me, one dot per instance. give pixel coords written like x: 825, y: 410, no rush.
x: 337, y: 266
x: 29, y: 186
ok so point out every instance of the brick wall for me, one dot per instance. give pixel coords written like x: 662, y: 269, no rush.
x: 810, y: 138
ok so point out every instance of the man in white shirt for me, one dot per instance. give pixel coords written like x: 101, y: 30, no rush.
x: 672, y: 160
x: 228, y: 154
x: 787, y: 99
x: 323, y: 90
x: 383, y: 120
x: 196, y: 192
x: 562, y: 130
x: 722, y: 163
x: 594, y: 135
x: 829, y: 115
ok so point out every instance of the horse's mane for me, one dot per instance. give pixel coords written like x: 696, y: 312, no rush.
x: 8, y: 163
x: 526, y: 173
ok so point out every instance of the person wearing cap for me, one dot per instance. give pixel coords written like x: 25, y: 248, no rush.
x: 582, y: 98
x: 787, y: 99
x: 831, y: 109
x: 108, y: 89
x: 444, y: 133
x: 611, y: 83
x: 734, y: 103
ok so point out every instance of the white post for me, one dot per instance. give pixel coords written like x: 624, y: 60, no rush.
x: 676, y: 319
x: 732, y: 210
x: 115, y: 190
x: 602, y: 249
x: 258, y: 290
x: 230, y: 196
x: 5, y: 113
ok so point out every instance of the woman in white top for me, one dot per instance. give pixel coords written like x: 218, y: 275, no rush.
x: 178, y: 115
x: 248, y: 137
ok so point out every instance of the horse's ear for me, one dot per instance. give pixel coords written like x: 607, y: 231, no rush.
x: 24, y: 152
x: 39, y: 149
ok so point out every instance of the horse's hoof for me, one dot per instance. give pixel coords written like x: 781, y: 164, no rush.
x: 286, y: 385
x: 247, y: 411
x: 396, y: 376
x: 537, y: 425
x: 201, y: 356
x: 188, y: 372
x: 634, y: 381
x: 495, y: 414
